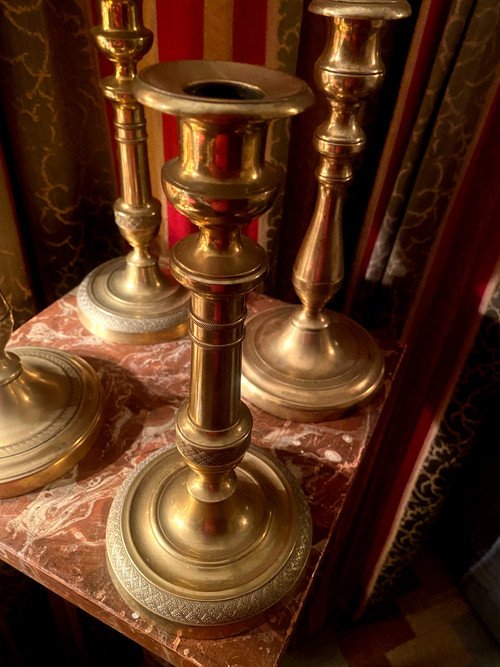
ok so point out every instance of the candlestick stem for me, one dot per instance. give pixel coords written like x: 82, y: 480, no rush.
x: 306, y: 363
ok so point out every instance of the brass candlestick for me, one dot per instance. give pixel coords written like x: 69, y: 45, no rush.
x: 129, y: 300
x: 306, y: 363
x: 50, y: 406
x: 210, y: 535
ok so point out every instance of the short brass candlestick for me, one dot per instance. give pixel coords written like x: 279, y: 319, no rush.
x: 212, y: 534
x: 50, y: 407
x: 129, y: 300
x: 306, y: 363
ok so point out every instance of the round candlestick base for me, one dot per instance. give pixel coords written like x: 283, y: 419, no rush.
x: 154, y: 312
x: 211, y: 569
x: 49, y: 417
x: 308, y: 369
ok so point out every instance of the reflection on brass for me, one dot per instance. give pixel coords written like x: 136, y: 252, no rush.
x: 129, y: 300
x: 213, y: 534
x: 306, y: 363
x: 50, y: 406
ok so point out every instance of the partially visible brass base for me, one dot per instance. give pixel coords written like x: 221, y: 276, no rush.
x: 308, y: 369
x: 210, y: 569
x: 152, y: 313
x: 49, y: 417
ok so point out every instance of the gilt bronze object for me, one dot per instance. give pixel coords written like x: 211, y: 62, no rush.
x: 212, y: 534
x: 307, y: 363
x: 50, y: 407
x: 128, y: 299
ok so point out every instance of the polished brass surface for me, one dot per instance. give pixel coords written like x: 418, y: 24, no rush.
x: 209, y: 535
x: 211, y: 568
x: 307, y: 363
x: 128, y: 299
x: 50, y: 406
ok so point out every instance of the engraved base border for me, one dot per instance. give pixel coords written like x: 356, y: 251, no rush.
x: 204, y: 618
x: 114, y: 319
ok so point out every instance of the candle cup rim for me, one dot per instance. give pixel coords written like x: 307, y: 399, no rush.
x: 164, y: 86
x: 362, y: 9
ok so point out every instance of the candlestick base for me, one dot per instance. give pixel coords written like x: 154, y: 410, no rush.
x: 152, y: 312
x: 211, y: 569
x: 51, y: 403
x: 308, y: 369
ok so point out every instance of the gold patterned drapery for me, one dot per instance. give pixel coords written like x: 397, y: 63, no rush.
x: 426, y: 273
x: 15, y: 281
x: 59, y: 181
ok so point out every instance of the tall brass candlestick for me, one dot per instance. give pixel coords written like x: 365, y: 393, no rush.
x: 129, y: 300
x: 306, y: 363
x: 50, y: 407
x: 210, y: 535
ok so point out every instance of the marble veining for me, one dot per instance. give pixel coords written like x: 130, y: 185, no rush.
x: 57, y: 534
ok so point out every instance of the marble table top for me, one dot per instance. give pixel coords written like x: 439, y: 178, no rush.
x: 56, y: 535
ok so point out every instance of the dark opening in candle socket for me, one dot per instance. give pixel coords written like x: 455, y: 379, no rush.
x: 224, y: 90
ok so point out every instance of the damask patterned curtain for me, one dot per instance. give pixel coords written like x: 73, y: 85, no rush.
x: 57, y: 224
x: 14, y: 277
x: 426, y: 274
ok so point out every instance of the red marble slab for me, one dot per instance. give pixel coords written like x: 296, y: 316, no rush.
x: 57, y: 534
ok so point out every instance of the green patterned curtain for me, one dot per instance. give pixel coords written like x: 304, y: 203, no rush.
x: 464, y: 67
x: 15, y: 281
x: 58, y: 158
x: 441, y: 221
